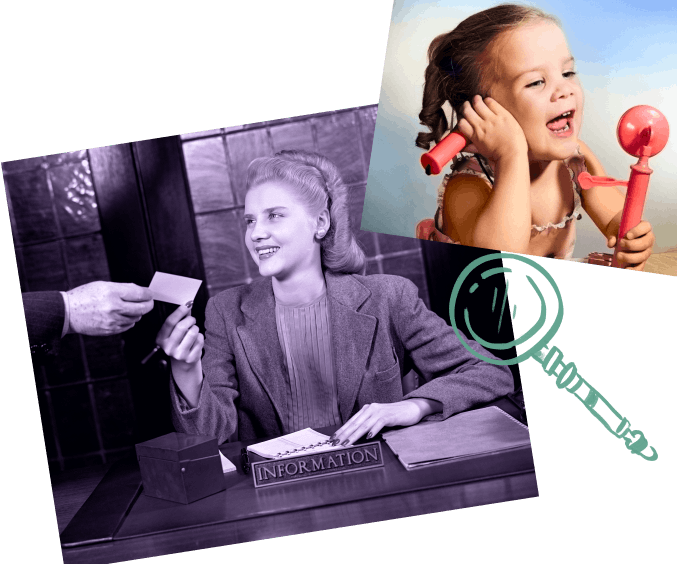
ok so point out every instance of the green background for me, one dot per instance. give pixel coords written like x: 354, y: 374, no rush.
x: 84, y: 76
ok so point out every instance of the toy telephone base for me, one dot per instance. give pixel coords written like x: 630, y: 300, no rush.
x: 601, y: 259
x: 642, y: 132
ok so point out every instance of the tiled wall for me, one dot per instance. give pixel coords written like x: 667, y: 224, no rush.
x: 83, y: 393
x: 216, y: 164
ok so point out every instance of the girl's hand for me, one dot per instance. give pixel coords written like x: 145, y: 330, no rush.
x: 635, y: 248
x: 492, y: 130
x: 373, y: 417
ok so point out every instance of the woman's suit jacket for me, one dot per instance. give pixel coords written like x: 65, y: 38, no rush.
x: 380, y: 330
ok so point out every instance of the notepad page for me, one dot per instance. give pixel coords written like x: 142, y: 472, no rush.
x: 290, y: 445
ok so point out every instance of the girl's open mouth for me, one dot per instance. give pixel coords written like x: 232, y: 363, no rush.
x: 562, y: 125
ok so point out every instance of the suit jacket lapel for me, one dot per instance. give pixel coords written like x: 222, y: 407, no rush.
x: 262, y: 345
x: 352, y: 336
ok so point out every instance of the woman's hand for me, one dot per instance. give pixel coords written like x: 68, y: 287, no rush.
x: 182, y: 341
x: 492, y: 130
x: 636, y: 247
x: 374, y: 416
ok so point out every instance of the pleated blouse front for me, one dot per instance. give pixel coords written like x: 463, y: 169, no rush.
x: 305, y: 338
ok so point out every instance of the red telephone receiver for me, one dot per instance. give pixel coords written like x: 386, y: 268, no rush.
x: 436, y: 159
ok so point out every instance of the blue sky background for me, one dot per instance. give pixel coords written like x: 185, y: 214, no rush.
x: 626, y: 55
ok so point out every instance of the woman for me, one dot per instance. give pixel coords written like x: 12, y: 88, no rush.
x: 314, y: 343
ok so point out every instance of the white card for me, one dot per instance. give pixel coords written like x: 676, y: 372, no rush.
x: 226, y: 465
x: 173, y: 289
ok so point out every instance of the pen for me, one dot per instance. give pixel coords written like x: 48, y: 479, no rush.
x: 151, y: 354
x: 156, y: 348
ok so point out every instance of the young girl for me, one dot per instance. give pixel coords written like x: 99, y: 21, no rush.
x: 509, y: 76
x: 314, y: 343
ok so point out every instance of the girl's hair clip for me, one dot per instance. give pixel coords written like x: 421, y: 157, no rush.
x: 448, y: 66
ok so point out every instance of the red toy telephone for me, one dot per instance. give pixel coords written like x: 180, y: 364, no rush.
x: 642, y: 132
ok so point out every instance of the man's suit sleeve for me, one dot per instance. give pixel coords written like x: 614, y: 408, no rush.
x: 45, y: 313
x: 451, y: 374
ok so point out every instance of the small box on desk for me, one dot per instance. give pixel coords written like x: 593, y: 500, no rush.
x: 180, y: 467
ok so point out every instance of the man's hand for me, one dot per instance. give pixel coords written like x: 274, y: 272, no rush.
x: 106, y: 308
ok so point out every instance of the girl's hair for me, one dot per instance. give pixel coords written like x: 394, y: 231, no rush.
x: 318, y: 185
x: 459, y: 64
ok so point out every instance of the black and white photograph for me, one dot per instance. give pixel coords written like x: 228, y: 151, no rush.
x: 296, y: 359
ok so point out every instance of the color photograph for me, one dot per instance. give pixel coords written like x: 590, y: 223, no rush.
x: 554, y: 142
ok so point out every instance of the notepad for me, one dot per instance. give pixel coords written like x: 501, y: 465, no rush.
x: 299, y: 443
x: 482, y: 431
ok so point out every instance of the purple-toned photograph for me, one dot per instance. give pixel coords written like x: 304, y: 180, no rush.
x: 222, y: 356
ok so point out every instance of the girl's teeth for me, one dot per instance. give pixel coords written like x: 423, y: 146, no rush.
x: 565, y: 128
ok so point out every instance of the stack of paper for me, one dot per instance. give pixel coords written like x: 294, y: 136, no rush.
x: 468, y: 434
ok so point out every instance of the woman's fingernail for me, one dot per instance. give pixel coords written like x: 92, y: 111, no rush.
x: 335, y: 442
x: 370, y: 435
x: 332, y: 437
x: 344, y: 443
x: 189, y: 304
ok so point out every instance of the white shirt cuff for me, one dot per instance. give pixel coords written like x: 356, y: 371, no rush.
x: 66, y: 314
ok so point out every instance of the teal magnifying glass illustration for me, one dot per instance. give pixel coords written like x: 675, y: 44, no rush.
x: 526, y: 278
x: 481, y: 281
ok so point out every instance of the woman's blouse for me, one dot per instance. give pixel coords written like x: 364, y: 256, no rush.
x: 305, y: 339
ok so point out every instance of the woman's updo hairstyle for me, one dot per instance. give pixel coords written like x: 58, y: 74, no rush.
x: 459, y: 64
x: 318, y: 185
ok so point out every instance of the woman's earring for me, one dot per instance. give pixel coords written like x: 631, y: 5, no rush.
x: 320, y: 234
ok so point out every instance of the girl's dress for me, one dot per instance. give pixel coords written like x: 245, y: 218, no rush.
x: 476, y: 165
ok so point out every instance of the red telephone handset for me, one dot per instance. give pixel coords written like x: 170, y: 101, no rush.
x: 435, y: 160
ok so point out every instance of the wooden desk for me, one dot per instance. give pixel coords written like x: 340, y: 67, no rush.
x: 241, y: 513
